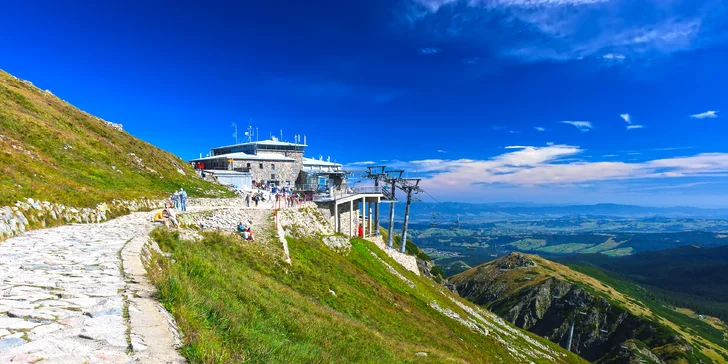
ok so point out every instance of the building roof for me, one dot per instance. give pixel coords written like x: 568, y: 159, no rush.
x: 269, y: 142
x: 316, y: 162
x: 246, y: 156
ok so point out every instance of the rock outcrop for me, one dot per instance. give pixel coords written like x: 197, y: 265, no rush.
x: 536, y: 295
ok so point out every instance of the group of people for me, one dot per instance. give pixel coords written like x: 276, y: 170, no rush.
x: 281, y: 197
x: 178, y: 200
x: 245, y: 232
x: 167, y: 217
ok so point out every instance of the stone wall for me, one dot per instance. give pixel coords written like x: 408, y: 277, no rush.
x: 284, y: 170
x: 32, y: 214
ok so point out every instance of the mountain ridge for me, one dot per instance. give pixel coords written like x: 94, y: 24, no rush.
x: 545, y: 297
x: 51, y: 150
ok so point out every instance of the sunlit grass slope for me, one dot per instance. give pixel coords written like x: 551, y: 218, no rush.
x: 238, y: 301
x: 53, y: 151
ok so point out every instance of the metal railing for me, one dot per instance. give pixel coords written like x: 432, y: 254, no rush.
x: 329, y: 195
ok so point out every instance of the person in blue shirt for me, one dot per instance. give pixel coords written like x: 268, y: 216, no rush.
x: 183, y: 199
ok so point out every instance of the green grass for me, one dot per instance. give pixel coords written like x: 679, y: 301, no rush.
x: 698, y: 327
x: 528, y: 244
x: 564, y: 248
x: 50, y: 150
x: 238, y: 301
x: 610, y: 244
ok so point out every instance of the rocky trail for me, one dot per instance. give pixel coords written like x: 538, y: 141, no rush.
x: 78, y: 293
x: 64, y: 296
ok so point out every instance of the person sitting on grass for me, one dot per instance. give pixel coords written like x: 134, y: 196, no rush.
x: 241, y: 227
x: 248, y: 235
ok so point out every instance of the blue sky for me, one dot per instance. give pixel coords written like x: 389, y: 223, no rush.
x: 548, y: 101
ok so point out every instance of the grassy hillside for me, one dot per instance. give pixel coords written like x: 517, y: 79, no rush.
x: 56, y: 152
x: 239, y: 301
x: 544, y: 296
x: 688, y: 276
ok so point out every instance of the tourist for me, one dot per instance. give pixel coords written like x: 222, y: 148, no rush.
x: 175, y: 199
x: 172, y: 216
x: 159, y: 216
x: 247, y: 199
x: 248, y: 235
x: 241, y: 228
x: 183, y: 199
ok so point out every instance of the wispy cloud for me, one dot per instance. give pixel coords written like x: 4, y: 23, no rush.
x: 429, y: 51
x: 514, y: 132
x: 674, y: 186
x: 634, y: 126
x: 539, y: 128
x: 516, y: 147
x: 497, y: 127
x: 441, y: 151
x: 557, y: 165
x: 626, y: 118
x: 711, y: 114
x: 581, y: 125
x: 568, y: 29
x: 324, y: 90
x: 362, y: 163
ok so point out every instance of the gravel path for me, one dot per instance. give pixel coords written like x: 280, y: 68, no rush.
x: 62, y: 295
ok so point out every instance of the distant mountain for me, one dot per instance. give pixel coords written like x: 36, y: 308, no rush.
x: 688, y: 276
x: 51, y: 150
x: 612, y: 322
x: 512, y: 211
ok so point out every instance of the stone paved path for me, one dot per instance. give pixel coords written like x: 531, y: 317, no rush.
x: 62, y: 294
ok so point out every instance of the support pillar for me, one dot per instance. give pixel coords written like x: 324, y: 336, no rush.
x: 390, y: 233
x: 364, y: 217
x: 376, y: 217
x: 336, y: 217
x: 406, y: 220
x: 351, y: 217
x: 370, y: 206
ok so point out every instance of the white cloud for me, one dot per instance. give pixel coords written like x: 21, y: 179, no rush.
x: 611, y: 31
x: 626, y: 118
x: 711, y: 114
x: 514, y: 132
x: 581, y: 125
x: 441, y: 151
x: 614, y: 57
x: 539, y: 128
x: 363, y: 163
x: 634, y: 126
x: 556, y: 166
x: 516, y: 147
x: 428, y: 51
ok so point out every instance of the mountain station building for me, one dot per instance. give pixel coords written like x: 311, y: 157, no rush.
x: 273, y: 162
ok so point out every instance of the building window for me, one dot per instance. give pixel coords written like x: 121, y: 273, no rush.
x: 248, y: 165
x: 273, y: 166
x: 272, y: 176
x: 261, y: 166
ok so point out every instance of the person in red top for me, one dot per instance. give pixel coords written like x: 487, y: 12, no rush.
x: 361, y: 231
